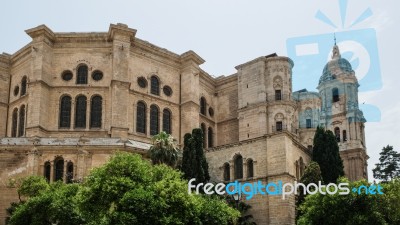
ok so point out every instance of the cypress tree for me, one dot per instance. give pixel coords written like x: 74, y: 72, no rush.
x: 326, y: 154
x: 187, y: 157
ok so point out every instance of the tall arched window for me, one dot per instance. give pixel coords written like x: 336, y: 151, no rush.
x: 155, y: 86
x: 203, y: 128
x: 65, y: 112
x: 154, y: 124
x: 141, y: 118
x: 227, y: 172
x: 238, y: 167
x: 14, y: 123
x: 96, y: 108
x: 82, y: 77
x: 203, y: 105
x: 250, y: 168
x: 335, y: 95
x: 21, y: 125
x: 167, y: 121
x: 337, y: 134
x: 23, y: 86
x: 47, y: 169
x: 210, y: 137
x: 80, y: 112
x: 58, y: 169
x: 70, y: 172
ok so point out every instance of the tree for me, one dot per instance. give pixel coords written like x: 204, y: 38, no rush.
x: 354, y: 208
x: 164, y: 150
x: 194, y: 163
x: 312, y: 174
x: 126, y: 190
x: 245, y: 218
x: 389, y: 166
x: 326, y: 154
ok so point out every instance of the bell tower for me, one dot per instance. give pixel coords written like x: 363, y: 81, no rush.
x: 340, y: 113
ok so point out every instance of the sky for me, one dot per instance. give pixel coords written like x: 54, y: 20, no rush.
x: 228, y: 33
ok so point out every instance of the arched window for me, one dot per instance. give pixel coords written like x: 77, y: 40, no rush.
x: 337, y: 134
x: 80, y: 112
x: 167, y: 121
x: 155, y: 86
x: 335, y: 95
x: 141, y: 118
x: 23, y: 86
x: 58, y: 169
x: 70, y: 172
x: 238, y: 167
x: 82, y: 77
x: 227, y: 172
x: 154, y: 126
x: 21, y: 125
x: 95, y: 112
x: 47, y: 169
x: 65, y: 112
x: 203, y: 105
x: 14, y: 123
x: 301, y: 166
x: 203, y: 128
x: 344, y: 135
x: 250, y: 168
x: 210, y: 137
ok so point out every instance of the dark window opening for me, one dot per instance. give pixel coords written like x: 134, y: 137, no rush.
x: 167, y: 121
x: 82, y: 77
x: 211, y: 112
x: 96, y: 108
x: 250, y: 168
x: 67, y: 75
x: 97, y: 75
x: 278, y: 95
x: 227, y: 172
x: 14, y: 123
x: 142, y: 82
x: 21, y: 128
x: 155, y: 86
x: 308, y: 123
x: 239, y: 167
x: 65, y: 112
x: 70, y: 172
x: 80, y: 113
x: 210, y: 137
x: 167, y: 90
x: 337, y: 134
x: 154, y: 126
x: 16, y: 90
x: 59, y: 169
x: 23, y: 86
x: 279, y: 126
x: 335, y: 95
x: 141, y: 118
x: 47, y: 169
x: 344, y: 135
x: 203, y: 106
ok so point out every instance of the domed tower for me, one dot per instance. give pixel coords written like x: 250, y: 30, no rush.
x: 338, y: 88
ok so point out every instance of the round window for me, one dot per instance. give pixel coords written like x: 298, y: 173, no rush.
x: 16, y: 90
x: 167, y: 90
x: 97, y: 75
x: 66, y: 75
x: 211, y: 112
x: 142, y: 82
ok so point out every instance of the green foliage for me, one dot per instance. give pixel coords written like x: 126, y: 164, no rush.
x: 55, y: 205
x: 245, y: 218
x: 33, y: 186
x: 194, y: 163
x: 164, y: 150
x: 312, y: 174
x: 326, y: 154
x: 389, y: 166
x: 354, y: 208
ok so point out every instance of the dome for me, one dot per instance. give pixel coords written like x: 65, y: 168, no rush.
x: 335, y: 66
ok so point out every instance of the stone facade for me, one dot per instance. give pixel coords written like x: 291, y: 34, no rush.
x: 52, y: 125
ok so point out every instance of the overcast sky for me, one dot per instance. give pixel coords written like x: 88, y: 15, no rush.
x: 228, y: 33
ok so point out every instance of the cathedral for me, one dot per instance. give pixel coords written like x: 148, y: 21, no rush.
x: 70, y: 100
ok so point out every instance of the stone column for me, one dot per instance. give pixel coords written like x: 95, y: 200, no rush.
x: 65, y: 172
x: 51, y: 171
